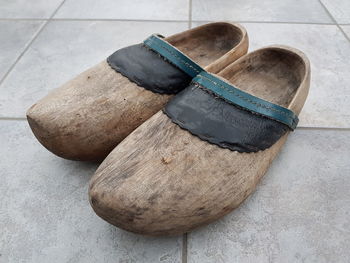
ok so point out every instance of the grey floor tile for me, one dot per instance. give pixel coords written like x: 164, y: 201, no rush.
x: 339, y: 9
x: 45, y: 215
x: 125, y: 9
x: 327, y: 104
x: 28, y: 9
x: 346, y: 30
x: 15, y: 36
x: 299, y: 213
x: 64, y: 49
x: 257, y: 10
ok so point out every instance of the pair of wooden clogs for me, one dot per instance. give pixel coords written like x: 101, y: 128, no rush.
x: 225, y: 116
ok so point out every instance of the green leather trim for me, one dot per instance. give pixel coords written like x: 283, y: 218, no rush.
x: 173, y: 55
x: 245, y: 100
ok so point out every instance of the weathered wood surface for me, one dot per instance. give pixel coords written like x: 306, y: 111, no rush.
x: 161, y: 180
x: 88, y: 116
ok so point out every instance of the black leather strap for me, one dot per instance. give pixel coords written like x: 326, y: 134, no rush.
x: 172, y: 54
x: 245, y: 100
x: 213, y: 119
x: 148, y: 69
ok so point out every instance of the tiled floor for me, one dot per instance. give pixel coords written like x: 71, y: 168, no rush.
x: 301, y: 209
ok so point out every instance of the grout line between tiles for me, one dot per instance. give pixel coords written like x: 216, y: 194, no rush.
x: 118, y: 20
x: 169, y: 21
x: 12, y: 119
x: 268, y: 22
x: 23, y: 51
x: 342, y: 30
x: 335, y: 21
x: 184, y: 248
x: 56, y: 10
x: 323, y: 128
x: 189, y: 14
x: 30, y: 43
x: 24, y: 19
x: 328, y: 12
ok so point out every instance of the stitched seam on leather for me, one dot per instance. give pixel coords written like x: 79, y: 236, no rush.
x: 246, y: 99
x: 181, y: 60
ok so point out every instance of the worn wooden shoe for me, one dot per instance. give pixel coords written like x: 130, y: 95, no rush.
x: 88, y: 116
x: 202, y: 156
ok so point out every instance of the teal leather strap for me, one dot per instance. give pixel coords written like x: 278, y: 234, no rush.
x: 173, y: 55
x: 245, y: 100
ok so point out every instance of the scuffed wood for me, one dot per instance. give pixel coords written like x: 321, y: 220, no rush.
x: 161, y: 180
x: 88, y: 116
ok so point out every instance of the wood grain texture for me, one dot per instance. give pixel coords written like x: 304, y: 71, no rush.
x: 87, y: 117
x: 161, y: 180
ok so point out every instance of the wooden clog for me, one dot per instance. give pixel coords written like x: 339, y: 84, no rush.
x: 202, y: 156
x: 88, y: 116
